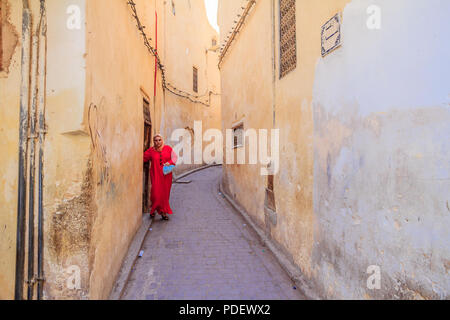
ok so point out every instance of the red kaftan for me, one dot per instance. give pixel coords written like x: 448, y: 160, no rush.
x: 161, y: 184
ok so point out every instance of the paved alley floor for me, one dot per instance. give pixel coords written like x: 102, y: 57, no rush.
x: 206, y: 252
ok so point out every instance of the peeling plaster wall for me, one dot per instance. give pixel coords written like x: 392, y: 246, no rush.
x: 68, y: 200
x: 66, y: 164
x: 9, y: 131
x: 97, y: 78
x: 381, y: 153
x: 120, y: 73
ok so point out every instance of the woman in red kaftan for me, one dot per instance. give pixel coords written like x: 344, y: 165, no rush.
x: 159, y: 156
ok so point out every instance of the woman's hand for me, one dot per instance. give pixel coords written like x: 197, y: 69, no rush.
x: 167, y: 164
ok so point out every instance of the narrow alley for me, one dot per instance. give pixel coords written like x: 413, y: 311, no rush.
x: 312, y: 140
x: 206, y: 252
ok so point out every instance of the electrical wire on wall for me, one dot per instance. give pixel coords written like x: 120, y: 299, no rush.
x: 237, y: 26
x: 165, y: 84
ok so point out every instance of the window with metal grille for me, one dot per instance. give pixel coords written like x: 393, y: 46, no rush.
x: 238, y: 136
x: 195, y: 71
x: 288, y: 37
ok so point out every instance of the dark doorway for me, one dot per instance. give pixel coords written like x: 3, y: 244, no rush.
x: 147, y: 145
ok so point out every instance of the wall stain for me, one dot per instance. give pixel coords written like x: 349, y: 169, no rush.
x: 9, y: 37
x: 71, y: 225
x: 70, y: 241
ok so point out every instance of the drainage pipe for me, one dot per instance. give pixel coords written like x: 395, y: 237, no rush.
x: 23, y: 135
x: 31, y: 185
x: 42, y: 74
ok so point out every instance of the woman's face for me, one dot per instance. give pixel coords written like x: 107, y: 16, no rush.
x: 158, y: 142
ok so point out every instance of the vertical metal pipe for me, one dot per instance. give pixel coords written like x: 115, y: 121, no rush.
x: 31, y: 192
x: 274, y: 64
x: 40, y: 269
x: 41, y: 107
x: 23, y: 135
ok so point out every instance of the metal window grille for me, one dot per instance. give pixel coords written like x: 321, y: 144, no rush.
x: 195, y: 71
x: 288, y: 37
x: 238, y: 136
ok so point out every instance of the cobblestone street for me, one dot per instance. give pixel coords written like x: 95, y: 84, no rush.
x: 206, y: 251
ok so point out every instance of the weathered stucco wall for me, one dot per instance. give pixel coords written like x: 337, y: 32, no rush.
x: 246, y: 78
x: 67, y: 201
x: 120, y: 73
x: 65, y: 102
x: 97, y: 75
x: 363, y: 142
x: 265, y: 101
x: 188, y: 43
x: 381, y: 179
x: 9, y: 130
x: 294, y: 117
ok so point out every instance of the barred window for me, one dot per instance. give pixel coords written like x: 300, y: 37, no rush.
x: 238, y: 136
x: 195, y: 71
x: 288, y: 37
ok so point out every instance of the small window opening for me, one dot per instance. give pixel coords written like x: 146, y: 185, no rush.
x: 195, y: 72
x: 288, y: 37
x: 238, y: 136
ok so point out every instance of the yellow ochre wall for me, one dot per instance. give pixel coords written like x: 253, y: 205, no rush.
x: 354, y: 189
x: 98, y: 216
x: 247, y: 90
x: 9, y: 129
x: 188, y: 42
x: 96, y: 79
